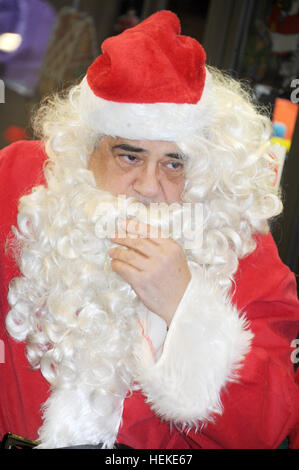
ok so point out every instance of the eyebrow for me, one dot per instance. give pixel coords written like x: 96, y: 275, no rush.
x: 130, y: 148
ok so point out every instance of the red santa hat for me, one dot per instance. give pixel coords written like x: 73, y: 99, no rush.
x: 150, y: 82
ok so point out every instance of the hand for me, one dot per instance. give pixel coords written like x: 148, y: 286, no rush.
x: 155, y: 267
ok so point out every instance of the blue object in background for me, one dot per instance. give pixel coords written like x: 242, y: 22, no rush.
x: 279, y: 129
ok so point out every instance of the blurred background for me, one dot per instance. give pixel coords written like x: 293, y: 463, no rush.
x: 47, y: 44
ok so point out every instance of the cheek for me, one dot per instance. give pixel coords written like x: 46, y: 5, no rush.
x: 174, y: 190
x: 116, y: 185
x: 105, y: 175
x: 110, y: 180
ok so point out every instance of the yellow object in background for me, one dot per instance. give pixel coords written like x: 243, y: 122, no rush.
x: 284, y: 142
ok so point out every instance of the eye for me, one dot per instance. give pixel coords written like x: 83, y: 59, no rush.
x: 175, y: 166
x: 129, y: 159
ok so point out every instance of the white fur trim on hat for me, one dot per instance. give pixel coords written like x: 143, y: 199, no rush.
x: 135, y: 121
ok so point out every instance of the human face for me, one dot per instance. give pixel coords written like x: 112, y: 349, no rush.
x: 151, y: 171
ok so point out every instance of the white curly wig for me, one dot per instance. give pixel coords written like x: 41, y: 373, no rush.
x: 66, y: 305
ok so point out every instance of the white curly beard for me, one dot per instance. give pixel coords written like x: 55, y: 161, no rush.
x: 84, y: 326
x: 82, y: 322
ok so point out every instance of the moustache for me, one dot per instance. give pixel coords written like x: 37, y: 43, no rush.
x: 183, y: 222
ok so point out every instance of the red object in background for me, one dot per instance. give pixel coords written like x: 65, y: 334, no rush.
x: 14, y: 133
x: 284, y: 24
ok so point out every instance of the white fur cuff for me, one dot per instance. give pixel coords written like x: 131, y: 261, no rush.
x: 205, y: 345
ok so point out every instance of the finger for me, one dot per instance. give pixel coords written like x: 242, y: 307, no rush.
x: 131, y: 257
x: 139, y: 229
x: 126, y: 271
x: 141, y: 245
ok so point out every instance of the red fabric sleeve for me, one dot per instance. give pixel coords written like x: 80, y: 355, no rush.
x: 259, y: 411
x: 262, y: 409
x: 22, y: 390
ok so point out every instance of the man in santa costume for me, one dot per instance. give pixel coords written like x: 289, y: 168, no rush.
x: 134, y: 337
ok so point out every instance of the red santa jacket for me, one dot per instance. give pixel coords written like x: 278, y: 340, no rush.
x: 259, y: 411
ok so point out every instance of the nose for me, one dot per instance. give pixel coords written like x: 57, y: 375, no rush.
x: 147, y: 182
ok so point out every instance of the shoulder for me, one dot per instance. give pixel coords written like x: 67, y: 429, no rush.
x: 21, y: 167
x: 262, y: 276
x: 22, y: 155
x: 22, y: 147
